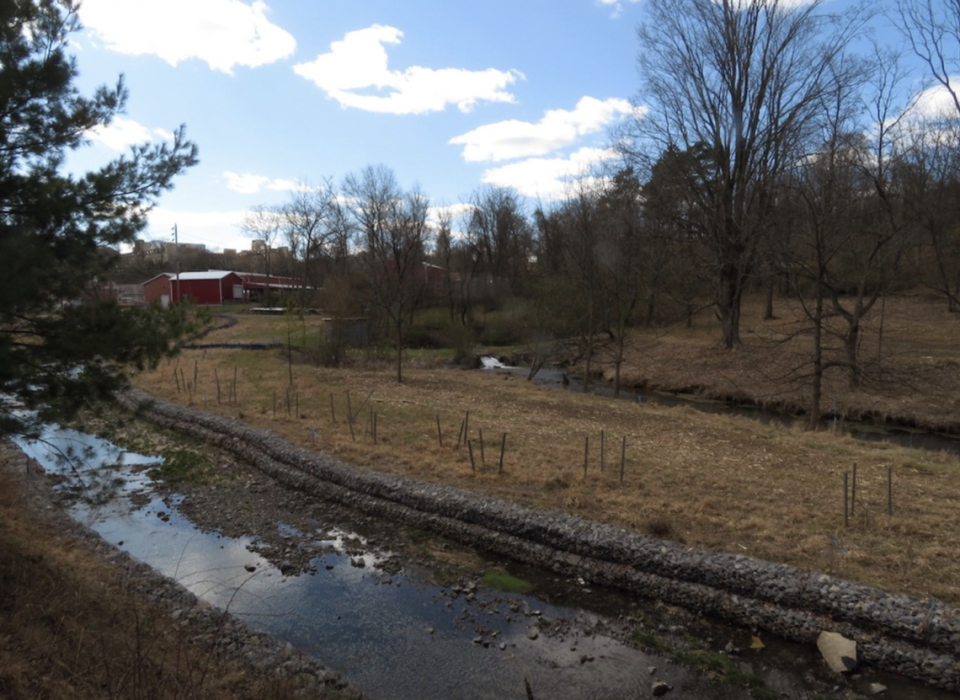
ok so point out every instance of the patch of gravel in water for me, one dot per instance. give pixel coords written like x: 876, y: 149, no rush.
x: 289, y: 529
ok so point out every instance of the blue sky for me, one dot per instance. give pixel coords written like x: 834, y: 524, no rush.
x: 450, y: 95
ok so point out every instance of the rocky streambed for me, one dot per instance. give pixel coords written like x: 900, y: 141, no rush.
x: 241, y: 561
x: 916, y: 638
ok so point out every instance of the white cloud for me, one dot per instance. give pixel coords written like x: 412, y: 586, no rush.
x: 214, y: 229
x: 548, y: 178
x: 122, y: 133
x: 248, y: 183
x: 356, y: 74
x: 245, y: 183
x: 617, y: 5
x: 222, y: 33
x: 557, y: 129
x: 937, y: 101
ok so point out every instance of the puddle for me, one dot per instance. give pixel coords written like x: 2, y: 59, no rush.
x: 396, y: 636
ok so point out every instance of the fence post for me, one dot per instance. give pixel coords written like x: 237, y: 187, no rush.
x: 503, y: 447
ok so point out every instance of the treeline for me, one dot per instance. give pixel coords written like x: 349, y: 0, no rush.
x: 767, y: 156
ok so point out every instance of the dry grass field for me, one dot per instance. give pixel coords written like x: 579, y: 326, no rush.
x: 706, y: 480
x: 910, y: 350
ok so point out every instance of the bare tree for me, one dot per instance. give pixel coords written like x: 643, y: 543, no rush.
x: 853, y: 228
x: 875, y: 249
x: 581, y: 219
x: 620, y: 261
x: 828, y: 195
x: 932, y: 28
x: 314, y: 226
x: 395, y: 232
x: 262, y: 224
x: 501, y: 234
x: 740, y: 80
x: 932, y: 182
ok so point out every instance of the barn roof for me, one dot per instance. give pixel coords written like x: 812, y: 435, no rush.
x: 188, y: 276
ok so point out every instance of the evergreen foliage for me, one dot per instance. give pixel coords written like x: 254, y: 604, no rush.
x: 60, y: 345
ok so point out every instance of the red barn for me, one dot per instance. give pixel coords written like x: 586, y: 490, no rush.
x: 210, y: 287
x: 256, y: 285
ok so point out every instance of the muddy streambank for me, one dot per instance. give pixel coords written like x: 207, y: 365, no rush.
x: 919, y: 639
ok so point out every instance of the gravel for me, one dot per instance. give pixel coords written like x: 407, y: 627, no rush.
x: 896, y: 633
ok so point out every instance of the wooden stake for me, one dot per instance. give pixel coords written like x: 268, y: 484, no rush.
x: 845, y: 506
x: 473, y: 465
x: 333, y: 410
x: 623, y: 457
x: 853, y: 491
x: 602, y: 449
x: 439, y: 432
x: 483, y: 459
x: 503, y: 447
x: 586, y: 454
x: 889, y: 490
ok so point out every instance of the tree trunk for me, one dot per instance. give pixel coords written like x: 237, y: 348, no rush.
x: 851, y: 343
x: 768, y: 306
x: 817, y: 389
x: 400, y: 353
x: 588, y: 356
x: 729, y: 303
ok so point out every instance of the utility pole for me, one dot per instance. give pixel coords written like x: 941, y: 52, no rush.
x: 176, y: 248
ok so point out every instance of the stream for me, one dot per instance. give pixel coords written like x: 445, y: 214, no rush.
x: 905, y: 437
x: 396, y: 634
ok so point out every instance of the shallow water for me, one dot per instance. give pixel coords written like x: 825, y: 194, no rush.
x: 399, y: 637
x: 913, y: 438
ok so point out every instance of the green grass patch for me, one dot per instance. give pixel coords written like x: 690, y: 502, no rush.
x: 648, y: 641
x: 182, y: 466
x: 502, y: 581
x: 728, y: 669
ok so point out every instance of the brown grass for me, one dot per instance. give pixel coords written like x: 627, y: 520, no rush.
x: 706, y: 480
x: 912, y: 367
x: 70, y: 629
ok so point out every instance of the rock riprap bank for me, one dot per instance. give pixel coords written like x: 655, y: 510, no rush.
x: 894, y: 632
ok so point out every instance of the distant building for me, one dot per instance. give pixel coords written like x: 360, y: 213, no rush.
x: 162, y: 251
x: 257, y: 285
x: 215, y: 287
x: 210, y: 287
